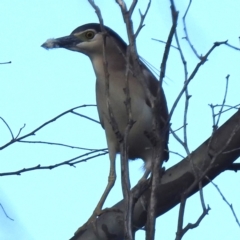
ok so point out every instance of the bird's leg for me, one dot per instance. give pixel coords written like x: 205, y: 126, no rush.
x: 111, y: 181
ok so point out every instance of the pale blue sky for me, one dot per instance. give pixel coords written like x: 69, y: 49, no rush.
x: 41, y: 84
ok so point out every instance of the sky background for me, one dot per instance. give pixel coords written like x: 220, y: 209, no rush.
x: 41, y: 84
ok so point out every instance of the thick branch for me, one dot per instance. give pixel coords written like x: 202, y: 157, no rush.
x: 174, y: 182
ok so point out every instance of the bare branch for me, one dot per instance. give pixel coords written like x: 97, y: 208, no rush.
x: 71, y: 162
x: 131, y: 54
x: 98, y: 12
x: 8, y: 127
x: 62, y: 145
x: 133, y: 50
x: 178, y: 154
x: 202, y: 61
x: 192, y: 225
x: 142, y: 16
x: 178, y: 139
x: 164, y: 43
x: 229, y: 107
x: 19, y: 132
x: 187, y: 96
x: 17, y: 139
x: 225, y: 200
x: 158, y: 149
x: 181, y: 231
x: 231, y: 46
x: 198, y: 177
x: 168, y: 43
x: 5, y: 212
x: 84, y: 116
x: 215, y: 125
x: 176, y: 129
x: 186, y: 33
x: 131, y: 9
x: 201, y: 195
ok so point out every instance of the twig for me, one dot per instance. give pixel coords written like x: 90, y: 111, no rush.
x: 6, y: 62
x: 158, y: 40
x: 133, y: 50
x: 201, y: 195
x: 158, y: 149
x: 98, y: 12
x: 125, y: 177
x: 69, y: 162
x: 110, y: 117
x: 186, y: 32
x: 168, y: 43
x: 41, y: 126
x: 198, y: 178
x: 187, y: 96
x: 128, y: 235
x: 231, y: 46
x: 5, y: 212
x: 225, y: 200
x: 142, y: 16
x: 194, y: 72
x: 63, y: 145
x: 24, y: 125
x: 178, y: 139
x: 180, y: 230
x: 8, y: 127
x: 215, y: 125
x: 193, y: 225
x: 84, y: 116
x: 133, y: 55
x: 236, y: 107
x: 176, y: 153
x: 180, y: 218
x: 176, y: 129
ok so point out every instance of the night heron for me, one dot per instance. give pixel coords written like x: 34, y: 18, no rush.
x: 88, y: 39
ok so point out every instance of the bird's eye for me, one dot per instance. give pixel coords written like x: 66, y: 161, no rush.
x: 89, y: 34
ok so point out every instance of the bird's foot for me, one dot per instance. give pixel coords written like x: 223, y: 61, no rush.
x: 92, y: 220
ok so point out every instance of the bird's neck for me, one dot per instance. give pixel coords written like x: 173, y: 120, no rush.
x: 113, y: 61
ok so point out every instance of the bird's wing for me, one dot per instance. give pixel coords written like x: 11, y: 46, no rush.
x: 153, y: 85
x: 100, y: 114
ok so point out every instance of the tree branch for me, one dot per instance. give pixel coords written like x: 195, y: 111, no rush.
x: 175, y: 181
x: 18, y: 139
x: 235, y: 166
x: 225, y: 200
x: 71, y: 162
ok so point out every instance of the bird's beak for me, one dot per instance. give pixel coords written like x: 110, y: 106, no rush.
x: 68, y: 42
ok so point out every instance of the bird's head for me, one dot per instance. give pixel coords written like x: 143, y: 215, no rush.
x: 86, y: 39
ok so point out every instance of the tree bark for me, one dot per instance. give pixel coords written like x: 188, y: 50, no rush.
x: 224, y: 143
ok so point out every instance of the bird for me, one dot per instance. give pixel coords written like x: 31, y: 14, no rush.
x: 88, y: 39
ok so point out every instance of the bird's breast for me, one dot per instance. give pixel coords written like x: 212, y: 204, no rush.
x: 140, y: 112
